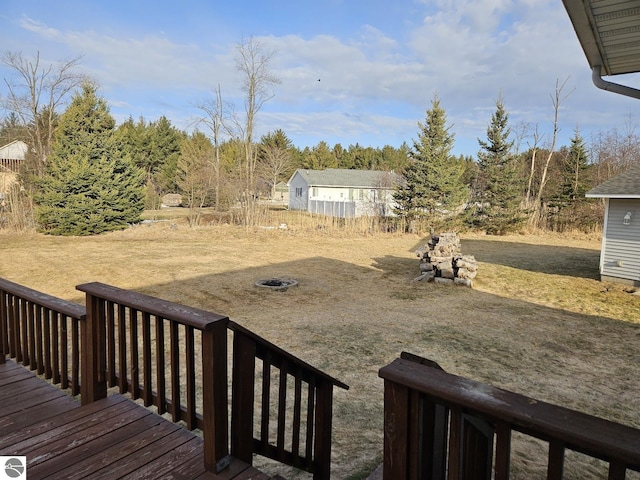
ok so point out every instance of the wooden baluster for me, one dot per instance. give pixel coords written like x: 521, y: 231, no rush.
x: 64, y: 350
x: 39, y: 338
x: 146, y: 359
x: 75, y: 359
x: 282, y: 409
x: 297, y: 410
x: 161, y: 402
x: 617, y: 471
x: 111, y: 344
x: 556, y: 460
x: 31, y: 321
x: 47, y: 317
x: 24, y: 331
x: 14, y: 328
x: 135, y: 354
x: 191, y: 377
x: 311, y: 406
x: 55, y: 337
x: 174, y: 339
x: 266, y: 400
x: 4, y: 344
x: 123, y: 378
x: 455, y: 442
x: 503, y: 451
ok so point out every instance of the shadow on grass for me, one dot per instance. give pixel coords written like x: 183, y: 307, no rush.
x: 549, y: 259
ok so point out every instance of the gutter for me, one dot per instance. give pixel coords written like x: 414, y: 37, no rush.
x: 598, y: 81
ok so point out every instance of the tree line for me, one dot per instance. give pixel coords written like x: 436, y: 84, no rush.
x: 84, y: 174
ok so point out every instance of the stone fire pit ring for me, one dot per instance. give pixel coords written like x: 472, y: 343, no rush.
x: 276, y: 283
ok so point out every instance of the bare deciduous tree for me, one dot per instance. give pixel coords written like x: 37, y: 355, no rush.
x: 214, y: 120
x: 556, y: 100
x: 275, y: 162
x: 36, y: 93
x: 253, y: 63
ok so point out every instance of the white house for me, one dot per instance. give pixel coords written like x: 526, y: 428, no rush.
x: 12, y: 155
x: 620, y: 252
x: 343, y: 193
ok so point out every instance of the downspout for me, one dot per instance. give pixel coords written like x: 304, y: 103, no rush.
x: 598, y: 81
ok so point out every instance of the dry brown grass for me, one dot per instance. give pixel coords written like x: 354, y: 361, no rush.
x: 538, y: 321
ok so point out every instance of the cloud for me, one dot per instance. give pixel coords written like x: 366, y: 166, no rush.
x: 368, y: 82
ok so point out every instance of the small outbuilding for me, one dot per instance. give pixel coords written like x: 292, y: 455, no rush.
x: 12, y: 155
x: 620, y: 253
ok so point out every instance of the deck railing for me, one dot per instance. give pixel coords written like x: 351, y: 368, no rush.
x: 175, y: 358
x: 439, y: 425
x: 42, y: 333
x: 301, y: 394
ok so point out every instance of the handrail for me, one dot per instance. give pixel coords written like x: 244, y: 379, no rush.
x: 305, y: 394
x: 235, y: 327
x: 114, y: 320
x: 41, y: 332
x: 148, y: 347
x: 411, y: 386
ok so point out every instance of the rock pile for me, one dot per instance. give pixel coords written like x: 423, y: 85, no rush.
x: 441, y: 261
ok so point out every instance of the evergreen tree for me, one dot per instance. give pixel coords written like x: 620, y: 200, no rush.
x: 433, y: 178
x: 275, y: 159
x: 88, y: 186
x: 195, y: 173
x: 497, y: 187
x: 320, y: 157
x: 575, y: 169
x: 164, y: 150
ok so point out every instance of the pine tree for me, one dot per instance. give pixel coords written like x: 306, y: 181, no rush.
x: 89, y: 185
x: 164, y: 150
x: 575, y: 178
x: 497, y: 187
x: 433, y: 178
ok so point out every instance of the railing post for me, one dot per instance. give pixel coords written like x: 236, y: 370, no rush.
x: 4, y: 327
x: 242, y: 397
x: 215, y: 397
x: 93, y: 383
x: 395, y: 449
x: 324, y: 416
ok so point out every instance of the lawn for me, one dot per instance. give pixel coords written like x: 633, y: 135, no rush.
x: 538, y: 321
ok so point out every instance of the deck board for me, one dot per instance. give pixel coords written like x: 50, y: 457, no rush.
x: 108, y: 439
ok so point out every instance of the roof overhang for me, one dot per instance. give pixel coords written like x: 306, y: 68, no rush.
x: 609, y: 33
x: 605, y: 195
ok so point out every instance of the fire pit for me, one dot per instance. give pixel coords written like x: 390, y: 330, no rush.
x: 281, y: 284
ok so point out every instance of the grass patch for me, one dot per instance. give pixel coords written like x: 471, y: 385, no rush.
x: 538, y: 321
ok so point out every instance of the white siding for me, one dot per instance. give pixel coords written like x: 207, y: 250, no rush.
x: 298, y: 193
x: 15, y: 150
x: 621, y: 243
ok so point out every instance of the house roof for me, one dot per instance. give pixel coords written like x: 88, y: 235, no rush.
x: 623, y: 185
x: 14, y: 150
x: 337, y: 177
x: 608, y: 33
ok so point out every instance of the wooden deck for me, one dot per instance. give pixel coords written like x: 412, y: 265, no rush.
x: 107, y: 439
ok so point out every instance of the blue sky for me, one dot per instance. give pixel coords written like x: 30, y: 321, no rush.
x: 379, y: 63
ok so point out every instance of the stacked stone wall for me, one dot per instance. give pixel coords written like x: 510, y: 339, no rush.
x: 442, y: 261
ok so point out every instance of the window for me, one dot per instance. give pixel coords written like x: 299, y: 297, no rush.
x: 314, y: 192
x: 298, y: 191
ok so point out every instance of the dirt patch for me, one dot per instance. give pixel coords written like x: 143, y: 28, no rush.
x: 537, y: 321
